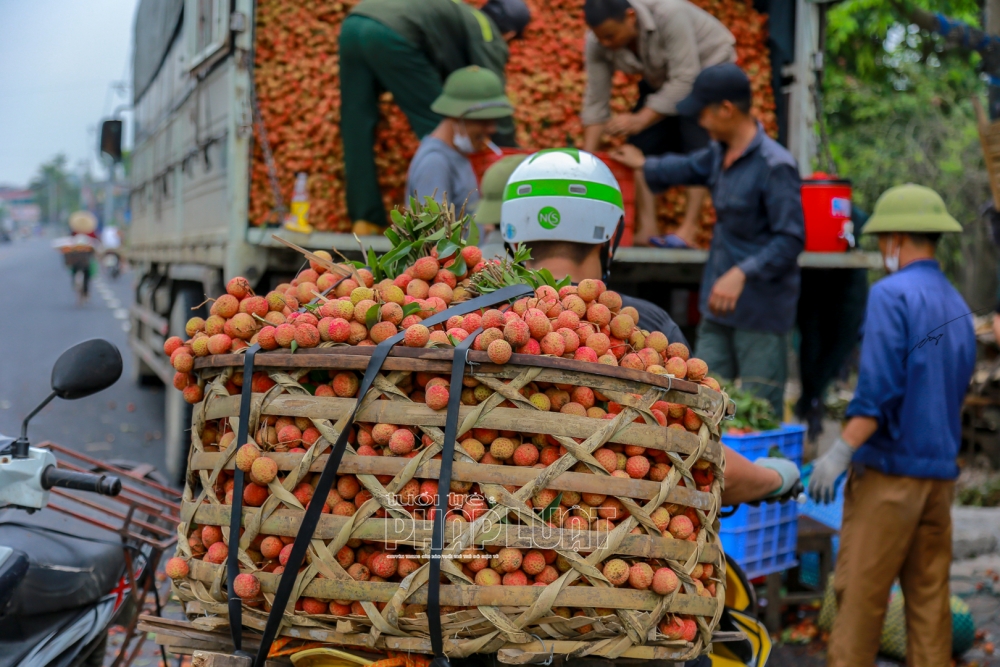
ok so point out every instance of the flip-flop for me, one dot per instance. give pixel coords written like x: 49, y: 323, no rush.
x: 669, y: 241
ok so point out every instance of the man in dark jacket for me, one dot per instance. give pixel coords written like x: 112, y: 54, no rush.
x: 901, y: 440
x: 408, y: 49
x: 750, y: 286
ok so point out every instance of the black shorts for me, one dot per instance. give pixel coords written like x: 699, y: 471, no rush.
x: 672, y: 134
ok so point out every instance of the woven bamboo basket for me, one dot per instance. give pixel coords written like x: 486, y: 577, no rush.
x: 516, y: 622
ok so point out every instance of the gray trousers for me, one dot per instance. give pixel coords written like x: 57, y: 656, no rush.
x: 758, y: 358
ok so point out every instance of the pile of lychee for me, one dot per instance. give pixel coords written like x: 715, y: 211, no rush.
x: 585, y: 322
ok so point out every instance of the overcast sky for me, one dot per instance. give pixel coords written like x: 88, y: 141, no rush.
x: 57, y: 61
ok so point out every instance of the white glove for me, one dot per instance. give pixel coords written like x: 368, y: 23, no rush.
x: 827, y: 469
x: 787, y: 469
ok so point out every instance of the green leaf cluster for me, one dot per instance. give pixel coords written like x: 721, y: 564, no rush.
x: 417, y: 230
x: 496, y: 275
x: 897, y: 103
x: 752, y: 412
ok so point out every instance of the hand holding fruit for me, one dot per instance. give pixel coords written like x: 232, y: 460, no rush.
x: 630, y: 156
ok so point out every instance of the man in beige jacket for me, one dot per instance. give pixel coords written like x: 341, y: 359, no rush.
x: 669, y: 42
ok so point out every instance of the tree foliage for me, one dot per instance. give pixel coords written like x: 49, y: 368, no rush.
x: 898, y: 108
x: 54, y: 189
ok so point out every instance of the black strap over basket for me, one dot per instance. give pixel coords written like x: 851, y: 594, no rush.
x: 310, y: 518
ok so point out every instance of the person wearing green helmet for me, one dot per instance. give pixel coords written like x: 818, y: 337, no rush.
x: 901, y: 439
x: 472, y: 102
x: 565, y: 205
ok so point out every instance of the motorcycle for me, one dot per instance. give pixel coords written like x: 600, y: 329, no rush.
x: 67, y: 575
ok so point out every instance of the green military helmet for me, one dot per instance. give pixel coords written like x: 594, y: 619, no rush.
x: 913, y: 209
x: 474, y: 93
x: 492, y: 188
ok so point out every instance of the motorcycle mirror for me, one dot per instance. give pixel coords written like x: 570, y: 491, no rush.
x: 86, y: 368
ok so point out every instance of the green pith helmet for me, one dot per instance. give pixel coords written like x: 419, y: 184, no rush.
x: 491, y: 189
x: 910, y: 209
x: 474, y: 93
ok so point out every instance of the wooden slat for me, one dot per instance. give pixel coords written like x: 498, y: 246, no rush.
x: 987, y: 134
x: 353, y: 357
x: 453, y: 595
x: 477, y: 472
x: 287, y: 522
x: 419, y: 414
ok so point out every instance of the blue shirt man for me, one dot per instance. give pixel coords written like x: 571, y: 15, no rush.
x: 750, y: 286
x: 902, y: 435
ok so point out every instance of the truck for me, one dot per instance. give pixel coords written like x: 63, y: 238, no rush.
x: 193, y: 125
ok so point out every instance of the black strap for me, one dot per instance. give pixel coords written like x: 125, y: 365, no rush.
x: 444, y: 486
x: 310, y: 519
x: 236, y: 513
x: 609, y: 249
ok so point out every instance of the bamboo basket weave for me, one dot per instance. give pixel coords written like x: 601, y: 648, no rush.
x: 516, y: 622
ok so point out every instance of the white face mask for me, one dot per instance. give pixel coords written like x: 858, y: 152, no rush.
x: 463, y: 144
x: 891, y: 258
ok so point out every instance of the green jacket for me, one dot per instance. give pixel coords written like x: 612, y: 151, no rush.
x: 452, y: 34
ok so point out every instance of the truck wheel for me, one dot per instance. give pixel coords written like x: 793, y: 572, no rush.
x: 177, y: 412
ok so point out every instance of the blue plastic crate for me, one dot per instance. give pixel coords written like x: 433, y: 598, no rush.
x: 763, y: 539
x: 830, y: 514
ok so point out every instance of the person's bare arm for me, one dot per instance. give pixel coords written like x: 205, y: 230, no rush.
x: 746, y: 481
x: 592, y: 137
x: 858, y: 430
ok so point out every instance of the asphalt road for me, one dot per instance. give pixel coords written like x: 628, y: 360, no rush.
x: 41, y: 319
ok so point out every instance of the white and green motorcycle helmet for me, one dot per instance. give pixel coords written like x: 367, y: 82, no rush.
x: 561, y: 194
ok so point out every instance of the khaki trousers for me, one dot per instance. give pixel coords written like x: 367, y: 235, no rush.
x: 893, y: 527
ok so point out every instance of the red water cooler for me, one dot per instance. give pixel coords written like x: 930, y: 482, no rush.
x: 826, y: 205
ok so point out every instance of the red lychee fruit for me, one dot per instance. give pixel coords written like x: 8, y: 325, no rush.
x: 176, y: 568
x: 677, y: 367
x: 611, y: 300
x: 553, y: 344
x: 672, y: 627
x: 417, y: 335
x: 359, y: 572
x: 660, y: 517
x: 616, y: 571
x: 263, y: 470
x: 246, y: 455
x: 692, y: 421
x: 488, y: 577
x: 383, y: 331
x: 664, y: 581
x: 436, y: 397
x: 509, y: 559
x: 637, y: 467
x: 681, y: 527
x: 382, y: 565
x: 239, y: 287
x: 588, y: 290
x: 182, y: 362
x: 607, y: 459
x: 516, y: 332
x: 502, y: 448
x: 696, y: 369
x: 515, y: 578
x: 640, y: 575
x: 598, y: 314
x: 345, y: 384
x: 210, y: 535
x: 525, y: 455
x: 217, y: 553
x: 499, y: 351
x: 690, y: 630
x: 172, y: 344
x: 255, y: 495
x: 401, y: 442
x: 585, y: 354
x: 533, y: 563
x: 247, y: 586
x: 348, y: 487
x: 426, y: 268
x: 271, y: 546
x: 677, y: 350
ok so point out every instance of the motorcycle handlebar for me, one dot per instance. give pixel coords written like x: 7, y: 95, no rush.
x: 106, y: 485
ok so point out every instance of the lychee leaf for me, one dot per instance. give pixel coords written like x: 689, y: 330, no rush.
x: 294, y: 346
x: 395, y: 254
x: 372, y: 316
x: 411, y: 309
x: 319, y: 377
x: 311, y: 307
x: 550, y: 509
x: 373, y: 265
x: 564, y: 282
x: 446, y: 248
x: 311, y: 388
x: 547, y: 277
x: 454, y: 342
x: 456, y: 236
x: 396, y: 216
x: 473, y: 236
x: 458, y: 268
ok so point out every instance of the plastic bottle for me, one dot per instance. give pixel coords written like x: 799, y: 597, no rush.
x: 298, y: 219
